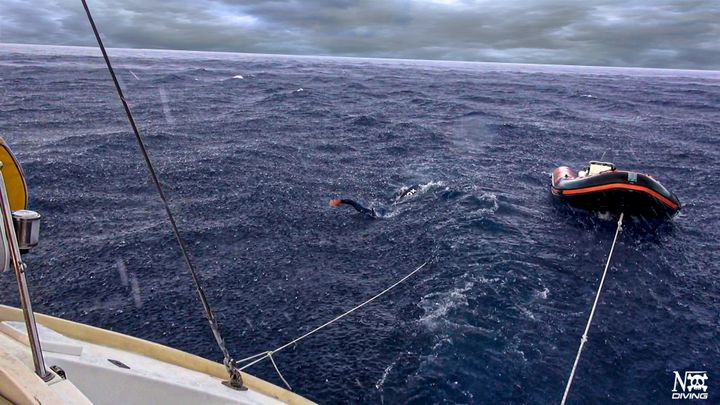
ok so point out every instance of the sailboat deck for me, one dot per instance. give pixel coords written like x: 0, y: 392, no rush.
x: 110, y: 368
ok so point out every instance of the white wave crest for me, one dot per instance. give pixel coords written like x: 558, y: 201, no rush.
x: 437, y: 305
x: 489, y: 203
x: 542, y: 294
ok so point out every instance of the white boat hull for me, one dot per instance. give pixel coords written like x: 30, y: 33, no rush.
x: 140, y: 372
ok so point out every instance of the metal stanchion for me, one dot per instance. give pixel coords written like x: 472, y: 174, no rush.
x: 20, y: 267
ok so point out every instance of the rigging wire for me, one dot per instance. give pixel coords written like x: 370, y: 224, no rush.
x: 584, y: 337
x: 235, y: 375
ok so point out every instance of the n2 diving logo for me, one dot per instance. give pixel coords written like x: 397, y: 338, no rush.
x: 691, y: 385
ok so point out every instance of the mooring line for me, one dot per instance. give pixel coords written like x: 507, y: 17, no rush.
x: 256, y: 358
x: 592, y: 311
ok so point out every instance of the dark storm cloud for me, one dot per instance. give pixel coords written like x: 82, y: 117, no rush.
x: 650, y: 33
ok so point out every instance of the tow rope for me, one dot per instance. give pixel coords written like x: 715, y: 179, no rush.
x: 254, y: 359
x: 584, y: 337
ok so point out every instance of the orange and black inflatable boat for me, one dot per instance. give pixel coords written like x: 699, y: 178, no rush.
x: 601, y: 187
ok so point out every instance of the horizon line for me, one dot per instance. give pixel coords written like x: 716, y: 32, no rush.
x: 365, y: 58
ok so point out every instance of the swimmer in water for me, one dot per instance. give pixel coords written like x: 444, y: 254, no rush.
x: 371, y: 212
x: 374, y: 212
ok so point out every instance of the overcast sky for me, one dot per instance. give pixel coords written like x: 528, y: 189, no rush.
x: 646, y: 33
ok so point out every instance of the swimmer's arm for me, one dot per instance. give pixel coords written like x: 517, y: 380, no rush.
x: 358, y: 207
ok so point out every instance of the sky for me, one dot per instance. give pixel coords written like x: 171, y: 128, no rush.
x: 639, y: 33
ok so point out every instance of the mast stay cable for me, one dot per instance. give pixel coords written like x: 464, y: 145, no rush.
x: 235, y: 380
x: 584, y: 337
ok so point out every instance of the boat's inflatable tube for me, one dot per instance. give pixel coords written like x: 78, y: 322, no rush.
x: 602, y: 188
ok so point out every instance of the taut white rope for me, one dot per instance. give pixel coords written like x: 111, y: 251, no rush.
x: 592, y: 311
x: 263, y: 355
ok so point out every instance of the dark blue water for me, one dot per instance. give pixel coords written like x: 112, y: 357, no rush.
x: 249, y: 165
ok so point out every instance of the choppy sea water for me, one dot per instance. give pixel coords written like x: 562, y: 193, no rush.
x: 249, y: 165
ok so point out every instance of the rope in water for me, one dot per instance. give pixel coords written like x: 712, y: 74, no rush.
x: 268, y: 354
x: 592, y: 311
x: 235, y: 377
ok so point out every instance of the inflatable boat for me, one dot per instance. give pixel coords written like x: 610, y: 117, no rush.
x: 601, y: 187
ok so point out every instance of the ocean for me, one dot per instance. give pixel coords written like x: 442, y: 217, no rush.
x: 250, y: 148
